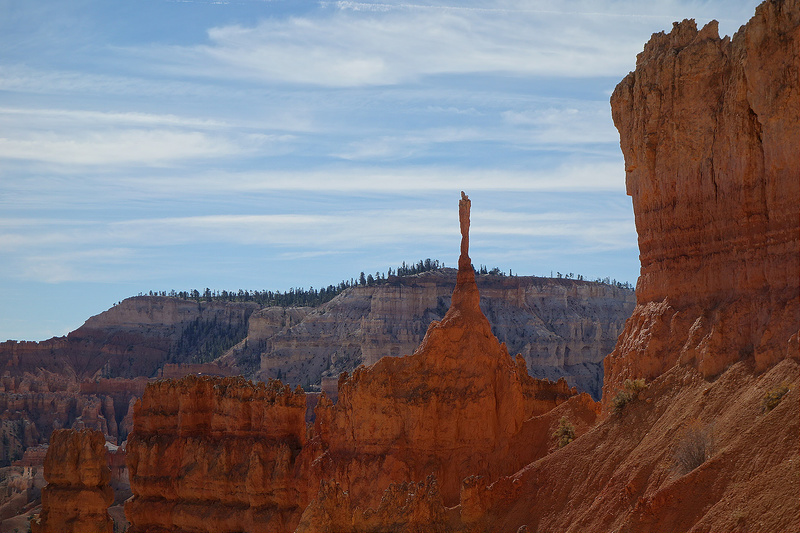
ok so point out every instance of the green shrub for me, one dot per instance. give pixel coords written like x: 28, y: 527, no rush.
x: 773, y: 398
x: 630, y: 391
x: 565, y: 432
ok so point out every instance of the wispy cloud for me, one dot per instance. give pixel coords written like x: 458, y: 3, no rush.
x: 361, y: 43
x: 85, y: 137
x: 79, y: 252
x: 357, y: 47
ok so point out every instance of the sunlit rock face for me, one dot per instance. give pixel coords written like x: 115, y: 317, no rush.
x: 709, y: 129
x: 218, y: 454
x: 452, y: 409
x: 77, y: 494
x: 710, y: 132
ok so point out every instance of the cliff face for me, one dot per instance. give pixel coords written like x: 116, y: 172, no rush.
x: 709, y: 128
x: 562, y: 328
x: 217, y: 454
x: 77, y: 494
x: 710, y: 132
x: 134, y: 338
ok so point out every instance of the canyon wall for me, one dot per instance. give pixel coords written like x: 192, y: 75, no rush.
x: 135, y: 338
x: 77, y: 495
x: 710, y: 132
x: 562, y: 328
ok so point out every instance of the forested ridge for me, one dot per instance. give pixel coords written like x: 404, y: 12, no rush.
x: 312, y: 297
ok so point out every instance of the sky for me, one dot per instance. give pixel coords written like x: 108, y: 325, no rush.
x: 251, y: 144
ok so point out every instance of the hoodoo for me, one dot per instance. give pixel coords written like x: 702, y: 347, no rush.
x: 222, y: 454
x: 459, y: 406
x: 77, y: 494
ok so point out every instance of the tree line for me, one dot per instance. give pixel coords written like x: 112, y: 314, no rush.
x: 313, y: 297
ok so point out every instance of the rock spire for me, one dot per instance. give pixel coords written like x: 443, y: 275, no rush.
x: 77, y: 494
x: 466, y: 298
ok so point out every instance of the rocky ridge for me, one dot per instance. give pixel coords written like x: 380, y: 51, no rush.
x: 562, y: 328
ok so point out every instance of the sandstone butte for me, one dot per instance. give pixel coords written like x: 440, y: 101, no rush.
x: 710, y: 133
x: 77, y: 494
x: 223, y: 454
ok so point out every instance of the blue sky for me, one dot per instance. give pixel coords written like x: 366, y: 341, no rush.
x: 157, y: 145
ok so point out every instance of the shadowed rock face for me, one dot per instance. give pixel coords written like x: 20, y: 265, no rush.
x: 710, y: 132
x: 77, y: 494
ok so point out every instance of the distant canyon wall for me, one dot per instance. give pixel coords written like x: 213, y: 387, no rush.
x: 562, y: 328
x: 135, y: 338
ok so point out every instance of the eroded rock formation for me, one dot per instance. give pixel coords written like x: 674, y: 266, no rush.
x: 77, y: 495
x: 222, y: 454
x: 710, y: 132
x: 709, y: 128
x: 218, y: 455
x: 452, y: 409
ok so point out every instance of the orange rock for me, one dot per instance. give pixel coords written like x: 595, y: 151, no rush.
x: 712, y: 165
x: 452, y: 409
x: 404, y: 508
x: 710, y: 134
x: 218, y: 454
x: 77, y: 494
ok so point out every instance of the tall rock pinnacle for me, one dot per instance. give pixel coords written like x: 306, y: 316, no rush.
x: 465, y: 295
x: 464, y: 206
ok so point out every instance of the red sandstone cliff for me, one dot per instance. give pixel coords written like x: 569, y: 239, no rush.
x: 710, y: 132
x: 77, y: 494
x: 709, y: 128
x: 217, y: 455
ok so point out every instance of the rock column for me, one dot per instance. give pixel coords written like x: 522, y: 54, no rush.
x: 77, y: 494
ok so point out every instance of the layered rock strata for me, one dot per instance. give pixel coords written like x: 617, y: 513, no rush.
x: 710, y: 132
x: 561, y: 327
x: 77, y: 495
x: 218, y: 455
x: 134, y: 338
x: 452, y: 409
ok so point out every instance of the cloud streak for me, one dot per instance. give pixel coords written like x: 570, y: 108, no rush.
x: 368, y: 47
x: 371, y: 44
x: 80, y: 250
